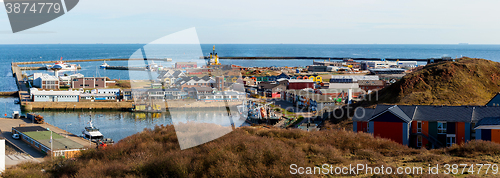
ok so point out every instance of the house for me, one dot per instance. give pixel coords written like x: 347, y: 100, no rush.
x: 45, y: 81
x: 495, y: 101
x: 427, y: 126
x: 91, y: 82
x: 488, y: 129
x: 351, y: 78
x: 169, y: 77
x: 298, y: 84
x: 372, y: 85
x: 48, y: 142
x: 66, y: 80
x: 222, y: 96
x: 270, y: 90
x: 189, y: 82
x: 54, y: 96
x: 308, y: 100
x: 341, y: 92
x: 282, y: 76
x: 127, y: 94
x: 183, y: 65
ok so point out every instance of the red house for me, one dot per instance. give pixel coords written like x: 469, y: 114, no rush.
x: 299, y: 84
x: 427, y: 126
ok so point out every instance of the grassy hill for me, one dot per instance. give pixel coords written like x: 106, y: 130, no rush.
x: 250, y: 152
x: 468, y: 81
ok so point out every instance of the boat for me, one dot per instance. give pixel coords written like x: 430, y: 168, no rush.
x: 104, y: 65
x: 62, y: 66
x: 92, y: 133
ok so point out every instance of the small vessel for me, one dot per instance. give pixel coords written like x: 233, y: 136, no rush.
x: 104, y: 65
x: 62, y: 66
x: 92, y: 133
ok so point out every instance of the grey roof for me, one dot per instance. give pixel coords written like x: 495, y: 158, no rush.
x: 483, y: 112
x: 407, y: 109
x: 444, y: 113
x: 30, y: 129
x: 363, y: 114
x: 489, y: 121
x: 396, y: 111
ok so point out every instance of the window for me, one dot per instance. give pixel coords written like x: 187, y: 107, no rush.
x: 419, y: 127
x: 441, y: 127
x: 419, y: 141
x: 450, y: 139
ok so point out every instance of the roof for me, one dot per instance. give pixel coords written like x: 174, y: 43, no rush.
x: 371, y: 82
x: 300, y: 81
x: 444, y: 113
x: 441, y: 113
x: 59, y: 142
x: 488, y: 121
x: 355, y: 78
x: 34, y: 91
x: 396, y: 110
x: 363, y: 114
x: 30, y: 129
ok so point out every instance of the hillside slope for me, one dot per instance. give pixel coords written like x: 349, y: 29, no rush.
x: 465, y: 82
x: 250, y: 152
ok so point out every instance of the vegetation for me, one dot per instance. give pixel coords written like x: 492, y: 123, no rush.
x: 467, y: 81
x: 249, y: 152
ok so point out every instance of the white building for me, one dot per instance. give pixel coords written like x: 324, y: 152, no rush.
x: 2, y: 154
x: 54, y: 96
x: 45, y: 81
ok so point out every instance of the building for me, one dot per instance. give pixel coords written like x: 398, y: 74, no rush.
x: 45, y: 81
x: 222, y: 96
x: 91, y: 82
x: 2, y: 154
x: 66, y: 80
x: 351, y: 78
x: 54, y: 96
x: 270, y: 90
x: 428, y: 126
x: 488, y: 129
x: 341, y: 92
x: 169, y: 77
x: 127, y: 94
x: 316, y: 68
x: 308, y: 101
x: 183, y: 65
x: 387, y: 71
x: 495, y: 101
x: 298, y: 84
x: 372, y: 85
x: 48, y: 142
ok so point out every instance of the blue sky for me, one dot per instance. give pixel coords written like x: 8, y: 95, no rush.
x: 270, y: 21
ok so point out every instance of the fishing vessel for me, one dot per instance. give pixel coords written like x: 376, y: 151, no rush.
x: 261, y: 113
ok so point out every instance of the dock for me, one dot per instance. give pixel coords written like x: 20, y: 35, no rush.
x: 88, y: 60
x: 6, y: 125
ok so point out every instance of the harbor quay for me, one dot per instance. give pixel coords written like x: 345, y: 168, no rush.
x: 35, y: 145
x: 120, y: 105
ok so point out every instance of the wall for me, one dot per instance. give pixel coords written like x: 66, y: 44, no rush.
x: 2, y: 154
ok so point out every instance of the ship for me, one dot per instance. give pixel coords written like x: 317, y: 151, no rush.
x: 93, y: 134
x: 104, y: 65
x: 62, y: 66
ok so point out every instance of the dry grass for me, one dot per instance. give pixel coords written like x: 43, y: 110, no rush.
x: 250, y: 152
x: 465, y: 82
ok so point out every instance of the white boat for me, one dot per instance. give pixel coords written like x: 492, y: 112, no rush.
x: 104, y: 65
x: 61, y: 66
x: 92, y: 133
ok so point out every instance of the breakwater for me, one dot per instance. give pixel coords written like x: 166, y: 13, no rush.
x: 87, y: 60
